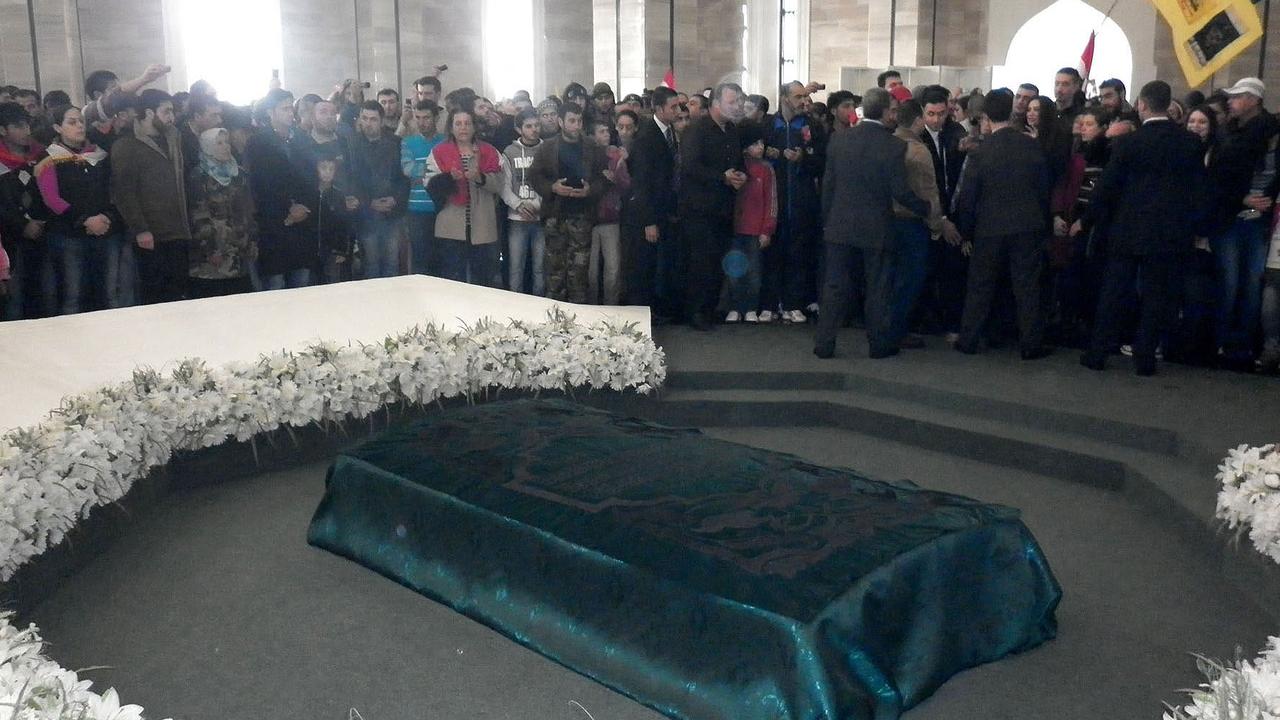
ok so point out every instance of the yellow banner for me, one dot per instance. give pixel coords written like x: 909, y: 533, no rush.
x: 1209, y: 34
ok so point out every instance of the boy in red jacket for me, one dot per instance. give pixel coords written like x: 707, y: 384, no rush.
x: 755, y: 218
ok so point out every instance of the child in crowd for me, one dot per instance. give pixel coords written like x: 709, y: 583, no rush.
x: 755, y: 218
x: 335, y: 243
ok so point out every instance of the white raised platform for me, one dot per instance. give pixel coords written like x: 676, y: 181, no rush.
x: 43, y: 361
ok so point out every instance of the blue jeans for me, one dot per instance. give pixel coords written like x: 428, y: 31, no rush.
x: 104, y: 264
x: 424, y: 257
x: 292, y: 279
x: 380, y: 243
x: 742, y: 268
x: 1241, y: 255
x: 33, y: 285
x: 911, y: 243
x: 525, y: 240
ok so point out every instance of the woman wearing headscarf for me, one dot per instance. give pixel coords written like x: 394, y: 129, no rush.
x: 223, y: 245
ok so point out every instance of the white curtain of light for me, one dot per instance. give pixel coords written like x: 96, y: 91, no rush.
x: 1055, y: 38
x: 508, y: 47
x: 234, y: 44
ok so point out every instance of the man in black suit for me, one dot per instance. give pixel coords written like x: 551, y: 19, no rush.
x: 1149, y: 198
x: 1003, y: 205
x: 711, y: 171
x: 866, y: 171
x: 942, y: 136
x: 651, y: 210
x: 948, y: 266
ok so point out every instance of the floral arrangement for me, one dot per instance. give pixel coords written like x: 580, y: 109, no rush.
x: 1250, y: 495
x: 90, y: 451
x: 1245, y: 690
x: 33, y: 687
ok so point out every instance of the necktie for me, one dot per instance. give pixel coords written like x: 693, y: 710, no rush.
x: 942, y: 159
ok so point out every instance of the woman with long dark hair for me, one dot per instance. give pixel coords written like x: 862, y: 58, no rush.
x: 85, y: 231
x: 1043, y: 125
x: 1203, y: 121
x: 1193, y: 340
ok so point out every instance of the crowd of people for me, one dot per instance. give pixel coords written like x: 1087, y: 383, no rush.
x: 986, y: 219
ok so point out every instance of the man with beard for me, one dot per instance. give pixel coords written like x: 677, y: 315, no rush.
x: 147, y: 176
x: 568, y: 174
x: 794, y: 145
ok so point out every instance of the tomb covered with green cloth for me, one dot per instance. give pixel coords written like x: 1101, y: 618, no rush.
x: 702, y: 578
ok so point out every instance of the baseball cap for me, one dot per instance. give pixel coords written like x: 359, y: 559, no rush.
x: 1248, y: 86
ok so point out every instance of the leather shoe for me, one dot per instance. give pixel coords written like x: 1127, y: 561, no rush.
x: 911, y: 341
x: 880, y: 354
x: 1093, y: 362
x: 825, y: 352
x: 1037, y: 353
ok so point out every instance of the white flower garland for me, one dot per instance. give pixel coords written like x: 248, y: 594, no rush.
x: 1246, y: 690
x: 33, y: 687
x: 92, y: 449
x: 1250, y: 495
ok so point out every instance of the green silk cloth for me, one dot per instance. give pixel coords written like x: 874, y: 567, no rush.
x: 702, y: 578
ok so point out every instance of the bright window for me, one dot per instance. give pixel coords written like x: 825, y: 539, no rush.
x: 508, y: 47
x: 234, y: 44
x: 1055, y: 38
x: 789, y: 42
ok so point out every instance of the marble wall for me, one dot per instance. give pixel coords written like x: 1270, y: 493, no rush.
x: 567, y: 47
x: 840, y: 35
x: 319, y: 47
x: 16, y: 66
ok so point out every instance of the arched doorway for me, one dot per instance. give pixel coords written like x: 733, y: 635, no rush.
x: 1055, y: 37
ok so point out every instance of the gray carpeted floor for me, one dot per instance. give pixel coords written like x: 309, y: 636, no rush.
x: 215, y: 607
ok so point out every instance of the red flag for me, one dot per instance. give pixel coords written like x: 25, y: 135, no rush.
x: 1086, y: 57
x: 670, y: 79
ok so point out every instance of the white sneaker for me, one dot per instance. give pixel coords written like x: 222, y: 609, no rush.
x: 793, y: 316
x: 1127, y: 351
x: 766, y: 316
x: 812, y: 308
x: 732, y: 317
x: 751, y: 317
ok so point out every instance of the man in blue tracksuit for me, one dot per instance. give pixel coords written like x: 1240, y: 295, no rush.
x: 795, y: 147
